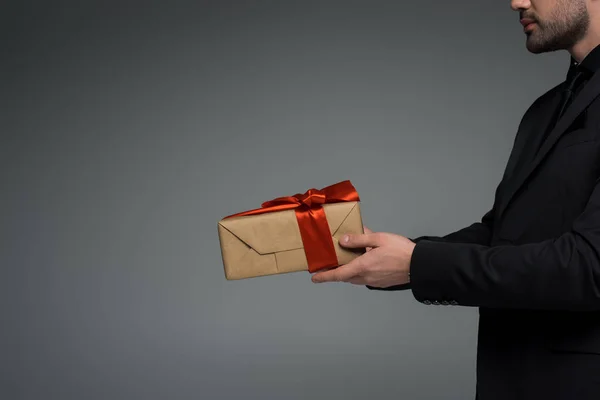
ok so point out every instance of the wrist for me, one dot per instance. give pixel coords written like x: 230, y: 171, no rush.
x: 410, y: 263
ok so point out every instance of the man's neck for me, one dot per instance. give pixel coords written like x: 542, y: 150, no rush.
x: 582, y: 48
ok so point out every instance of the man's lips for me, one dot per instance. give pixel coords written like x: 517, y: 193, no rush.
x: 527, y: 23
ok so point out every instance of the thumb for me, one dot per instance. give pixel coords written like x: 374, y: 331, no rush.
x: 361, y: 240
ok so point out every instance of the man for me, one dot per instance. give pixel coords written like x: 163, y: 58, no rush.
x: 532, y: 265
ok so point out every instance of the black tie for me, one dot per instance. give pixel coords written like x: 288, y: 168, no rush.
x: 575, y: 77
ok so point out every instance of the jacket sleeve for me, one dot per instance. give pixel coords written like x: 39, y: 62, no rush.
x: 476, y: 233
x: 561, y: 273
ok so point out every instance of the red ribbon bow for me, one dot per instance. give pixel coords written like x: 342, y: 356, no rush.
x: 312, y: 221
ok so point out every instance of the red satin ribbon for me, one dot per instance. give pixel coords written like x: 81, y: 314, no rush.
x: 312, y: 221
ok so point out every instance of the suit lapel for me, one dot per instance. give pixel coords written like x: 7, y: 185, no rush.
x: 533, y: 133
x: 590, y: 91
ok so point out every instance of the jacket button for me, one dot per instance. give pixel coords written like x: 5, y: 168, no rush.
x: 437, y: 303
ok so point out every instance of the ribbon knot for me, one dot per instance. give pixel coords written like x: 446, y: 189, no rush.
x: 312, y: 221
x: 312, y: 197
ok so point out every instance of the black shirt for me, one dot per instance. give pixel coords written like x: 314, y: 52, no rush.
x: 591, y: 62
x: 589, y: 65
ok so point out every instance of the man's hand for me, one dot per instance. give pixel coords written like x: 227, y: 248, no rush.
x: 386, y: 262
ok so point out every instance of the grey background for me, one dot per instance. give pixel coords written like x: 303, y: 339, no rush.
x: 128, y: 130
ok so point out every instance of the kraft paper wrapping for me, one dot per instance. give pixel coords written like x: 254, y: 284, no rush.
x: 270, y: 243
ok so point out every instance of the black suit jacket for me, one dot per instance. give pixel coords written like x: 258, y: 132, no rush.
x: 532, y: 264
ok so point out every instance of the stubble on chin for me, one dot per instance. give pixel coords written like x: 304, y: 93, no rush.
x: 559, y: 34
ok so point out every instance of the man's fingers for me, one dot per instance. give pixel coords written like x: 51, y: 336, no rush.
x: 340, y: 274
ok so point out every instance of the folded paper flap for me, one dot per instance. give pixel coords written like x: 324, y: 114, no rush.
x: 278, y: 231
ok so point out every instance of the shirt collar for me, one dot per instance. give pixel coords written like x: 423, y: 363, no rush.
x: 591, y: 62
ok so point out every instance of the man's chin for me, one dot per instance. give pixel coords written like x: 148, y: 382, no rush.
x: 535, y: 48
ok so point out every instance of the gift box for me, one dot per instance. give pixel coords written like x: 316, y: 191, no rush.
x: 292, y: 233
